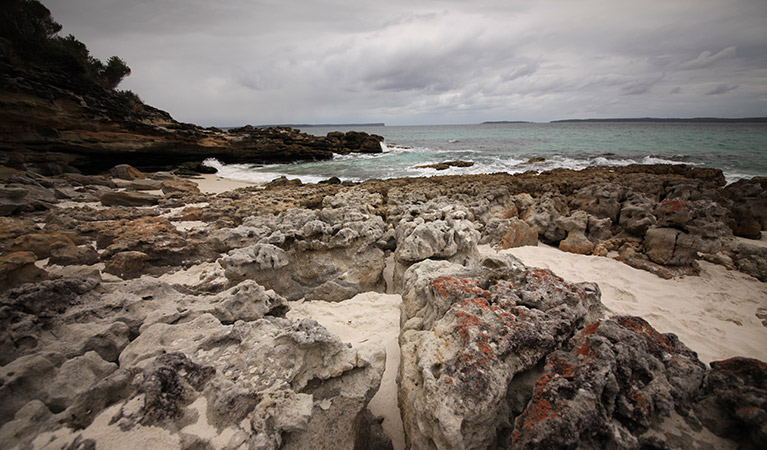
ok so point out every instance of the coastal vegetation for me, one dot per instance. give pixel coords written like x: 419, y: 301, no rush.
x: 30, y: 36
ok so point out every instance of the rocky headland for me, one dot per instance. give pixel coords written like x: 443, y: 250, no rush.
x: 136, y: 307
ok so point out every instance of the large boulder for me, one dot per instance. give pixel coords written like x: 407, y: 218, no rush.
x: 618, y: 383
x: 543, y: 215
x: 747, y: 211
x: 469, y: 335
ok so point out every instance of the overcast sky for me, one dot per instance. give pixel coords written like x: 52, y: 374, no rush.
x: 232, y: 62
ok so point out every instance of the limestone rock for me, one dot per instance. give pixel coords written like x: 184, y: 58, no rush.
x: 748, y: 213
x: 19, y: 268
x: 576, y: 240
x: 467, y: 335
x: 126, y: 265
x: 543, y: 216
x: 602, y: 200
x: 41, y: 243
x: 620, y: 379
x: 636, y: 213
x: 508, y: 233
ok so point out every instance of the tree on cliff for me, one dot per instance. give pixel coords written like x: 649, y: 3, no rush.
x: 28, y: 34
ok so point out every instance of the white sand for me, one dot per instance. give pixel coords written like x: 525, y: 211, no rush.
x: 368, y: 318
x: 714, y: 314
x: 213, y: 184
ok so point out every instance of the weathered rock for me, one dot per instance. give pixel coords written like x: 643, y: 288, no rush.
x: 576, y: 240
x: 734, y: 401
x: 619, y: 381
x: 599, y: 200
x: 749, y: 258
x: 748, y: 213
x: 19, y: 268
x: 445, y: 165
x: 465, y: 338
x: 126, y: 172
x: 74, y: 377
x: 42, y: 243
x: 179, y: 185
x: 543, y: 216
x: 12, y: 200
x: 508, y: 233
x: 70, y: 255
x: 129, y: 264
x: 129, y: 198
x: 636, y: 213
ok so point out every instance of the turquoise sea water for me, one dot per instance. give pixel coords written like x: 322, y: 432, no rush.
x: 740, y: 150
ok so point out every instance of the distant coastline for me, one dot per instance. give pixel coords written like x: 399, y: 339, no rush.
x: 672, y: 120
x: 309, y: 125
x: 490, y: 122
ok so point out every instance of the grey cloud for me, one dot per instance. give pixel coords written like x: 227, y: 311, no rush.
x: 431, y: 61
x: 706, y: 59
x: 722, y: 89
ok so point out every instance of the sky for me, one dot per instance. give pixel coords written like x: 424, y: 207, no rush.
x: 422, y: 62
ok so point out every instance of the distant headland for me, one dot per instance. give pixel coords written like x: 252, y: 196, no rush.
x: 672, y: 120
x: 309, y: 125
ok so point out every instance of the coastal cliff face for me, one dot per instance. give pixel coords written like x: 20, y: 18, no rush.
x: 53, y: 123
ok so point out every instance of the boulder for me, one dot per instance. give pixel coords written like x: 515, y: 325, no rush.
x: 71, y: 255
x: 128, y: 264
x: 576, y: 240
x: 747, y: 212
x: 601, y: 200
x: 468, y: 334
x: 180, y: 186
x: 636, y: 214
x: 126, y: 172
x: 19, y: 268
x: 543, y: 215
x: 128, y: 198
x: 508, y: 233
x: 619, y: 381
x: 42, y: 242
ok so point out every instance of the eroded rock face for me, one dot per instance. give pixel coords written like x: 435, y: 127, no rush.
x: 229, y: 362
x: 328, y: 254
x: 620, y: 379
x: 466, y: 334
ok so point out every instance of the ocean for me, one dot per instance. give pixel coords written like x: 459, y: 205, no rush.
x: 739, y: 149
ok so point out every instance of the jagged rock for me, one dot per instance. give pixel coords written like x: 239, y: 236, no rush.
x: 48, y: 298
x: 126, y: 172
x: 636, y: 213
x: 543, y: 216
x: 734, y: 401
x: 508, y: 233
x: 69, y: 255
x: 156, y: 237
x: 748, y: 213
x: 129, y: 264
x: 619, y: 381
x: 670, y: 246
x: 128, y: 198
x: 19, y: 268
x: 576, y: 240
x: 247, y: 301
x: 330, y: 254
x: 466, y: 334
x: 750, y: 259
x: 600, y: 200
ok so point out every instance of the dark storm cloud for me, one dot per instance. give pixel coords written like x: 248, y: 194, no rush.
x: 433, y: 61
